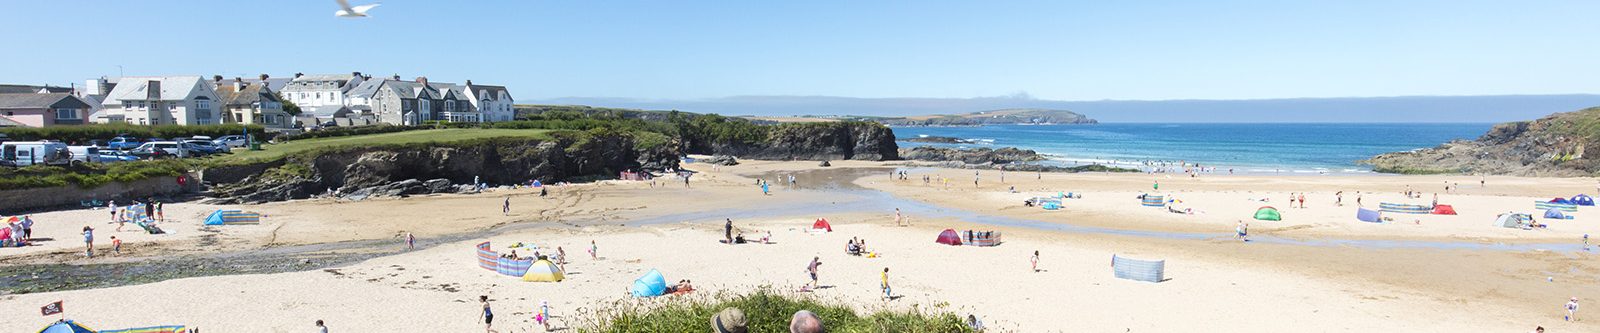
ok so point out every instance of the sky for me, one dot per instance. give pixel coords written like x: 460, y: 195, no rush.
x: 1053, y: 50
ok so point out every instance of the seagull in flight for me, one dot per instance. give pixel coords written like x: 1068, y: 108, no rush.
x: 357, y: 11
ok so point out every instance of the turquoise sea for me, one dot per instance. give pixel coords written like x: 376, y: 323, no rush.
x: 1249, y: 148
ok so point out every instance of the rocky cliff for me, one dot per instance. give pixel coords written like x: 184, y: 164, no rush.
x: 415, y: 169
x: 816, y: 141
x: 970, y: 156
x: 1558, y: 145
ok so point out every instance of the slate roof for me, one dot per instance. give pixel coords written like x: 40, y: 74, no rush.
x: 38, y: 101
x: 135, y: 87
x: 30, y: 89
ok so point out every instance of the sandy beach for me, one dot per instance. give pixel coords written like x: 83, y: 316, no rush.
x: 1319, y: 269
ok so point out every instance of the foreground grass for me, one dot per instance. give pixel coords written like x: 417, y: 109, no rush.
x: 766, y: 311
x: 277, y: 151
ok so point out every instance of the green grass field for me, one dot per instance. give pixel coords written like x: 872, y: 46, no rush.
x: 276, y: 151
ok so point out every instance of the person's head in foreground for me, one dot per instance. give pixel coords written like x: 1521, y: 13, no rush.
x: 730, y: 320
x: 805, y: 322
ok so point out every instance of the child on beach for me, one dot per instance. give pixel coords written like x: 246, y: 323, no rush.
x: 886, y: 291
x: 594, y: 250
x: 411, y: 241
x: 1572, y: 309
x: 1035, y: 261
x: 116, y: 246
x: 897, y: 217
x: 160, y: 215
x: 811, y: 270
x: 1242, y: 232
x: 88, y: 240
x: 488, y: 316
x: 543, y: 315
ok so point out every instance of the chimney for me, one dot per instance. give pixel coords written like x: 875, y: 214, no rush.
x: 298, y: 75
x: 216, y: 78
x: 397, y: 77
x: 469, y: 82
x: 423, y: 80
x: 152, y: 90
x: 238, y: 84
x: 355, y: 74
x: 264, y: 78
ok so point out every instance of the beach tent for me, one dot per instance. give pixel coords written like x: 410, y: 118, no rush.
x: 822, y: 224
x: 1153, y: 201
x: 537, y: 183
x: 5, y: 233
x: 1444, y: 210
x: 67, y: 326
x: 649, y: 285
x: 1555, y: 214
x: 1583, y: 200
x: 1267, y: 213
x: 1139, y: 270
x: 1563, y: 201
x: 949, y: 237
x: 153, y: 329
x: 1513, y: 220
x: 1368, y: 215
x: 543, y: 271
x: 1050, y: 206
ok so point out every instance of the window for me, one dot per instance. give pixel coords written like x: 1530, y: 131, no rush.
x: 67, y: 114
x: 127, y: 105
x: 319, y: 95
x: 172, y: 107
x: 449, y: 106
x: 202, y: 105
x: 141, y: 104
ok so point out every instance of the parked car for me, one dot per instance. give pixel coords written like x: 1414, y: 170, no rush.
x: 108, y: 156
x: 84, y: 154
x: 124, y: 143
x: 231, y: 141
x: 206, y: 147
x: 25, y: 153
x: 161, y: 149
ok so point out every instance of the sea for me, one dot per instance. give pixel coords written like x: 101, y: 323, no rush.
x: 1323, y: 148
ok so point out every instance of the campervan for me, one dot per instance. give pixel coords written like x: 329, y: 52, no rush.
x: 25, y: 153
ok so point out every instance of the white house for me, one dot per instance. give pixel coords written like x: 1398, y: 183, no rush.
x: 321, y: 89
x: 159, y: 100
x: 493, y: 101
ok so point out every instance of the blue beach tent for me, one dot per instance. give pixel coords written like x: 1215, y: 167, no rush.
x: 1554, y: 214
x: 1368, y: 215
x: 1583, y: 200
x: 649, y: 285
x: 66, y: 326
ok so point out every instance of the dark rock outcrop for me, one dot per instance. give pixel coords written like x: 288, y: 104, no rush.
x: 723, y: 160
x: 818, y: 141
x: 970, y: 156
x: 1554, y: 146
x: 396, y: 170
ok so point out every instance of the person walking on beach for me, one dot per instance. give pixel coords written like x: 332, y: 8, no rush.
x: 811, y: 270
x: 1338, y: 198
x: 1242, y: 231
x: 727, y: 231
x: 488, y: 316
x: 505, y: 209
x: 116, y: 246
x: 898, y: 218
x: 27, y: 228
x: 112, y: 205
x: 1155, y: 186
x: 1302, y: 200
x: 1035, y: 261
x: 1585, y: 242
x: 594, y: 250
x: 88, y: 240
x: 160, y: 214
x: 887, y: 293
x: 411, y: 241
x: 1358, y: 199
x: 764, y: 189
x: 1572, y: 309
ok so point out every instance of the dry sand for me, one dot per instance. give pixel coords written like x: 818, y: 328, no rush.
x: 1217, y: 284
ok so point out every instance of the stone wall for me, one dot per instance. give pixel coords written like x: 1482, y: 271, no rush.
x: 69, y: 196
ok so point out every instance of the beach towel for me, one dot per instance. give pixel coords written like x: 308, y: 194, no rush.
x: 153, y: 329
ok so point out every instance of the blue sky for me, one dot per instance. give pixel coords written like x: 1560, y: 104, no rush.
x: 1060, y: 50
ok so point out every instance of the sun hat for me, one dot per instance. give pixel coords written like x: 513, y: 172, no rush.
x: 730, y: 320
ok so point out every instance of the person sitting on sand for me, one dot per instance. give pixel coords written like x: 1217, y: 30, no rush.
x: 852, y: 248
x: 768, y: 238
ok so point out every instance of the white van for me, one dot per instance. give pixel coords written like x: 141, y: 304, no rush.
x: 84, y: 154
x: 157, y: 149
x: 25, y: 153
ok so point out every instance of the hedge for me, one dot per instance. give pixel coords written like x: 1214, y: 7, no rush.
x: 81, y: 134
